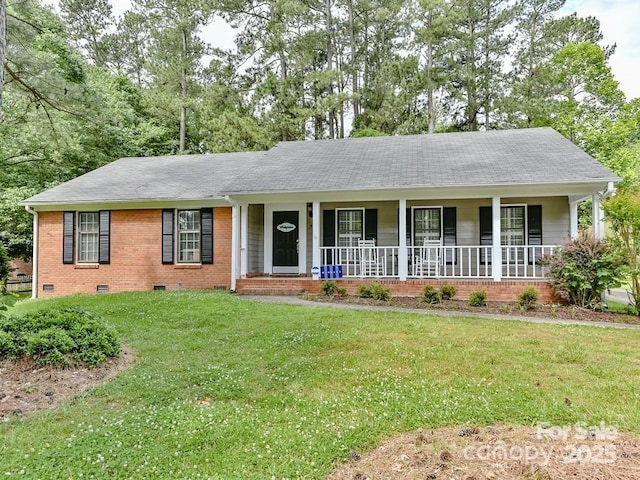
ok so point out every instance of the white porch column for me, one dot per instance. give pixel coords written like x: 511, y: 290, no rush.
x: 573, y: 219
x: 403, y: 260
x: 235, y: 237
x: 244, y: 240
x: 496, y: 253
x: 597, y: 217
x: 315, y: 240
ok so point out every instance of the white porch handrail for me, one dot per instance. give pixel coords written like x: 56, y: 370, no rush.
x: 474, y: 261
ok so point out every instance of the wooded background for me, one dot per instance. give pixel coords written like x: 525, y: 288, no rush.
x: 82, y: 88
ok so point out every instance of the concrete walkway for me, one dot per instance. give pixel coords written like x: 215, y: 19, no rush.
x: 290, y: 300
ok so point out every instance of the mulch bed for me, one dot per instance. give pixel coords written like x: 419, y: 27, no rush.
x: 499, y: 452
x: 564, y: 312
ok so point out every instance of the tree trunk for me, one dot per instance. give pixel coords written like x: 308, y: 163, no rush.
x: 354, y: 66
x: 332, y: 132
x: 183, y: 94
x: 430, y: 108
x: 3, y: 44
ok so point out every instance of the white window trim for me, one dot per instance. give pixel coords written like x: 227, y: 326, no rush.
x: 177, y: 235
x: 79, y: 243
x: 337, y: 223
x: 526, y: 222
x: 413, y: 220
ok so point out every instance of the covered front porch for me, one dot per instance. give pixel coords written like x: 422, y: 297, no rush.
x: 445, y: 238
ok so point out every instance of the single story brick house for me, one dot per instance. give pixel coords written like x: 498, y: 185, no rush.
x: 404, y: 210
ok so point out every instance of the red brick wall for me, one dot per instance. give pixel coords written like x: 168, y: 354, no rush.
x: 505, y: 291
x: 136, y: 257
x: 20, y: 267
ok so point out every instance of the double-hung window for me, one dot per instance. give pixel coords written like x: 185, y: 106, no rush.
x: 513, y: 233
x: 188, y: 236
x: 88, y: 237
x: 350, y: 229
x: 427, y: 225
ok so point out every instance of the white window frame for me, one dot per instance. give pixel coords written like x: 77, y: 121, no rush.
x: 507, y: 255
x: 197, y: 258
x: 349, y: 253
x: 413, y: 223
x: 88, y: 238
x: 352, y: 244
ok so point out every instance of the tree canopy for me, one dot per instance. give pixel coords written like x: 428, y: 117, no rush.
x: 83, y: 88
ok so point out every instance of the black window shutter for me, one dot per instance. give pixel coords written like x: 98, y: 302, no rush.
x: 486, y: 231
x: 449, y: 231
x: 104, y: 252
x: 206, y: 234
x: 409, y: 227
x: 68, y: 237
x: 371, y: 224
x: 534, y: 223
x: 167, y: 236
x: 328, y: 228
x: 329, y: 232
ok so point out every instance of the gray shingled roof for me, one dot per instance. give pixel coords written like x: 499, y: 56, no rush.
x: 182, y: 177
x: 530, y: 156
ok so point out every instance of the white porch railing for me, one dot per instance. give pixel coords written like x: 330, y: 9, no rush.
x: 437, y: 261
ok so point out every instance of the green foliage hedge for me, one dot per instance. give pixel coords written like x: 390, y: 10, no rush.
x: 60, y: 337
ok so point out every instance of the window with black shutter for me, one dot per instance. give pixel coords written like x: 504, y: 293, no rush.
x: 187, y: 236
x: 515, y: 233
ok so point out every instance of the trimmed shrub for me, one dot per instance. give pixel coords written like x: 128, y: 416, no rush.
x: 58, y: 337
x: 447, y: 292
x: 376, y: 290
x: 527, y: 298
x: 364, y: 291
x: 330, y: 288
x: 583, y: 269
x: 430, y: 295
x: 478, y: 298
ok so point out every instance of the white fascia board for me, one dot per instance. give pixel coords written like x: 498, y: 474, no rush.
x: 578, y: 189
x: 128, y: 204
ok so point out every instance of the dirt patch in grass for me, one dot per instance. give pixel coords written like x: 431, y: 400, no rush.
x: 26, y: 387
x: 564, y: 312
x: 499, y: 453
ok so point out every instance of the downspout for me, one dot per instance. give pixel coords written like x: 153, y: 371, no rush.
x: 34, y: 259
x: 234, y: 240
x: 609, y: 192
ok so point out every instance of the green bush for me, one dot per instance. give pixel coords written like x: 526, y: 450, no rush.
x: 330, y: 288
x: 58, y: 337
x: 376, y: 290
x: 447, y: 292
x: 583, y: 269
x: 430, y: 295
x: 478, y: 298
x: 527, y: 298
x: 364, y: 291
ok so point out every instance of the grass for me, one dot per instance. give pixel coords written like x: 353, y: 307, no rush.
x: 228, y: 388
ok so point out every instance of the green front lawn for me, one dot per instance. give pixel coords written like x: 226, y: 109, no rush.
x: 225, y: 387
